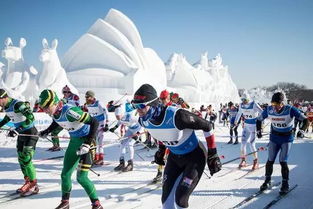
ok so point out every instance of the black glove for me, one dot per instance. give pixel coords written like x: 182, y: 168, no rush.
x: 159, y: 155
x: 214, y: 162
x: 43, y: 133
x: 259, y: 134
x: 106, y: 128
x: 12, y: 133
x: 113, y: 129
x: 300, y: 134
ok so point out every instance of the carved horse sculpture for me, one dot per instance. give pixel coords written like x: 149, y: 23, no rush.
x: 53, y: 75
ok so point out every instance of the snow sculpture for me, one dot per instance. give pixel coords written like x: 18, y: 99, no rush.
x: 110, y: 58
x: 53, y: 75
x: 206, y: 82
x: 15, y: 78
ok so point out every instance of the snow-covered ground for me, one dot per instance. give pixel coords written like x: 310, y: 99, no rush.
x: 128, y: 190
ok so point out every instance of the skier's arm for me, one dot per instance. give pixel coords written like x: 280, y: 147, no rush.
x: 257, y: 108
x: 301, y: 117
x: 4, y: 121
x: 238, y: 115
x: 20, y: 107
x: 185, y: 119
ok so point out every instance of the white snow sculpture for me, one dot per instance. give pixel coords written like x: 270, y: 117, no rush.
x: 110, y: 58
x: 15, y: 78
x: 53, y: 75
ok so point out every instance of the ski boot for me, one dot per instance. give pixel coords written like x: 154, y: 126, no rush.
x: 129, y: 166
x: 65, y: 204
x: 284, y: 187
x: 99, y: 160
x: 30, y: 188
x: 51, y: 148
x: 255, y: 164
x: 243, y: 163
x: 120, y: 166
x: 158, y: 177
x: 266, y: 184
x: 230, y: 141
x: 96, y: 205
x: 19, y: 190
x: 236, y: 141
x: 56, y: 149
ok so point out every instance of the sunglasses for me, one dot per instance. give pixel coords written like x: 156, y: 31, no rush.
x: 66, y: 92
x: 275, y: 104
x: 142, y: 105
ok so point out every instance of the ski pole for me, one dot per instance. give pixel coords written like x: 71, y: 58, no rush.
x: 119, y: 99
x: 140, y: 156
x: 92, y: 170
x: 238, y: 158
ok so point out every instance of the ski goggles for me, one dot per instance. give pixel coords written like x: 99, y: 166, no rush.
x: 142, y: 105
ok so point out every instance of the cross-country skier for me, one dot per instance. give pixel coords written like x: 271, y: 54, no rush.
x: 97, y: 110
x: 232, y: 112
x: 130, y: 121
x: 281, y: 137
x: 249, y: 111
x: 82, y: 129
x: 68, y: 97
x: 162, y: 151
x: 23, y: 120
x: 175, y: 127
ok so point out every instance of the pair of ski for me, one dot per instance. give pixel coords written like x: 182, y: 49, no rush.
x: 150, y: 186
x: 260, y: 192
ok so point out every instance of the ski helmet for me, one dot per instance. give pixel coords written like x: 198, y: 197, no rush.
x: 278, y: 97
x: 230, y: 104
x: 47, y: 98
x: 146, y: 94
x: 3, y: 93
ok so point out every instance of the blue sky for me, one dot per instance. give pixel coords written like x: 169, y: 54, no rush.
x: 262, y: 42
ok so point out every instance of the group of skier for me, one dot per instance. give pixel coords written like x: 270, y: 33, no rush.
x: 165, y: 118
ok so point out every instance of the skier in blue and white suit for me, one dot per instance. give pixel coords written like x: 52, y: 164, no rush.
x: 281, y: 136
x: 98, y: 111
x: 249, y: 111
x: 175, y: 128
x: 133, y: 128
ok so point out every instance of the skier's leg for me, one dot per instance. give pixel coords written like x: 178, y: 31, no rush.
x: 191, y: 176
x: 82, y: 177
x: 283, y: 158
x: 171, y: 178
x: 273, y: 150
x: 252, y: 144
x: 244, y: 138
x: 28, y: 149
x: 69, y: 164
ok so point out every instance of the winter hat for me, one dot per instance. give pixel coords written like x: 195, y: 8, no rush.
x: 164, y: 94
x: 90, y: 94
x: 278, y: 97
x: 3, y: 94
x: 47, y: 98
x: 146, y: 93
x: 66, y: 88
x: 175, y: 95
